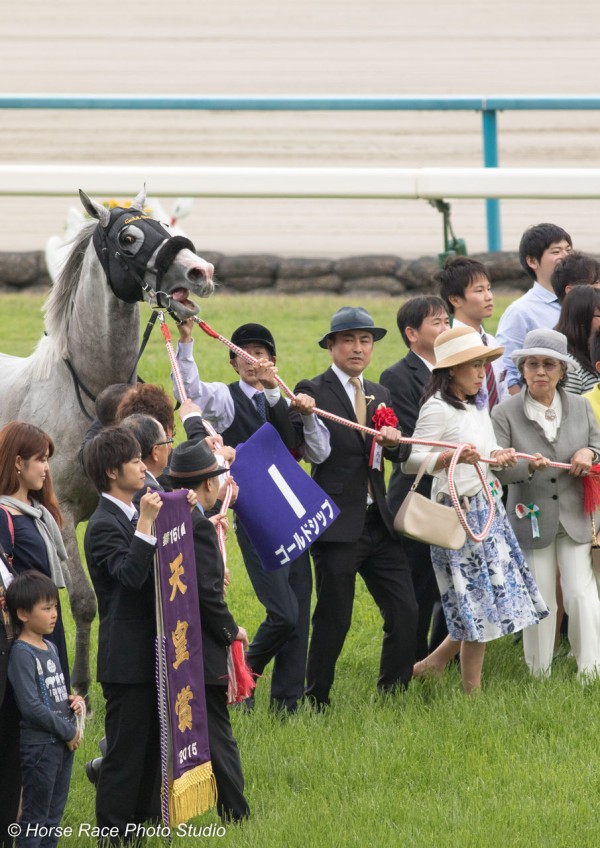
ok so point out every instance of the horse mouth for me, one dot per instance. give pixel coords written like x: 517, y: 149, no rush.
x: 181, y: 303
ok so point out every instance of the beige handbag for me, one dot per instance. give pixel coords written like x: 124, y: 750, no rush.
x: 427, y: 521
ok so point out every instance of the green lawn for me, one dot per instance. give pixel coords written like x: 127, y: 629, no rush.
x: 516, y: 765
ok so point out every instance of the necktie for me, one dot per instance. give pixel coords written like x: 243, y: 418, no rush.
x: 360, y: 410
x: 360, y: 404
x: 134, y: 520
x: 490, y: 379
x: 260, y: 404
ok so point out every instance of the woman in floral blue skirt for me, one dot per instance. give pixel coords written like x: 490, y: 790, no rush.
x: 487, y: 591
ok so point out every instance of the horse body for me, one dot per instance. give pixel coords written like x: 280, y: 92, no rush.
x: 98, y: 333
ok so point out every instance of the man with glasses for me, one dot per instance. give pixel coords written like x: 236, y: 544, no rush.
x: 155, y: 447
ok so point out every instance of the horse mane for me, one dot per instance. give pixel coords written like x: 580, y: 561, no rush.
x: 58, y: 307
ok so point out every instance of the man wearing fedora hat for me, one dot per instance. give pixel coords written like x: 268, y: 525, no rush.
x: 362, y: 539
x: 237, y: 411
x: 193, y: 466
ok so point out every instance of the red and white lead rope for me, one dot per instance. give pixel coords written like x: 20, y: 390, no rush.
x: 208, y: 426
x: 458, y: 449
x: 240, y: 680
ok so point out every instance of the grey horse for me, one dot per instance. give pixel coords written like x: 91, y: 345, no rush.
x: 91, y: 340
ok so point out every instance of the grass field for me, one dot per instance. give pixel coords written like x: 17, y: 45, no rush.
x: 516, y: 765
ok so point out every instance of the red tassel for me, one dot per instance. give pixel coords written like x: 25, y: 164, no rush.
x: 165, y: 331
x: 243, y: 682
x: 591, y: 490
x: 208, y: 330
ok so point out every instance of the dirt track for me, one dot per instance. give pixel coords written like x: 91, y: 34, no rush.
x: 385, y: 46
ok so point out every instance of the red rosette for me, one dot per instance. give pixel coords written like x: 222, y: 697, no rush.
x: 384, y: 417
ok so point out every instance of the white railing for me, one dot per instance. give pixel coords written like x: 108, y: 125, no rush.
x: 372, y: 183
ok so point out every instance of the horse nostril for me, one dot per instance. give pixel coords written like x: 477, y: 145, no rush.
x: 205, y: 273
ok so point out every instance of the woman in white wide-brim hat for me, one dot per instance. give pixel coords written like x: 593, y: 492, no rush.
x: 486, y: 588
x: 546, y: 505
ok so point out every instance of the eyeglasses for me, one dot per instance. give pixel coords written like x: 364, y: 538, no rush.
x: 534, y: 365
x: 166, y: 442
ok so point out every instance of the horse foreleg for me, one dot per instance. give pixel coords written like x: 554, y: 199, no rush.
x: 83, y: 608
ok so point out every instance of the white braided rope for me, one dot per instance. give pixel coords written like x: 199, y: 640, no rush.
x: 458, y: 449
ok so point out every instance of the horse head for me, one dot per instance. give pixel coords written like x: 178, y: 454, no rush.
x: 143, y: 261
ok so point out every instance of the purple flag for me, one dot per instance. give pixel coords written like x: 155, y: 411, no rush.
x: 280, y: 506
x: 187, y: 771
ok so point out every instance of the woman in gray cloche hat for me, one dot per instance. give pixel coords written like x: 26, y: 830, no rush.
x: 545, y: 505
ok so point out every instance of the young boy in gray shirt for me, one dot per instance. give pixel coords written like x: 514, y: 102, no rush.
x: 48, y: 732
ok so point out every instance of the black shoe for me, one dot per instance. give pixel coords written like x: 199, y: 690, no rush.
x: 313, y: 703
x: 92, y: 769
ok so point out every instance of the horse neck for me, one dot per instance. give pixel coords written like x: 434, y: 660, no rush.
x: 103, y: 332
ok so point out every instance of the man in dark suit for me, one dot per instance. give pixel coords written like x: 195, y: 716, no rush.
x: 361, y: 540
x: 120, y: 559
x: 420, y: 321
x: 193, y: 465
x: 237, y: 411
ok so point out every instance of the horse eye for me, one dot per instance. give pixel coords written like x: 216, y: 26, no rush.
x: 131, y: 239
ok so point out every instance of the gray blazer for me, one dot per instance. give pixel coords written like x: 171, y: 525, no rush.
x: 557, y: 493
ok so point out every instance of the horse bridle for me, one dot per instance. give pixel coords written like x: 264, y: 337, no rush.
x: 126, y: 274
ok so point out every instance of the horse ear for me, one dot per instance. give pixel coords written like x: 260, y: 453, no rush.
x: 140, y: 200
x: 95, y: 210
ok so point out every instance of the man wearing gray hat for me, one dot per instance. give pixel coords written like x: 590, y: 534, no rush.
x: 362, y: 539
x: 194, y: 466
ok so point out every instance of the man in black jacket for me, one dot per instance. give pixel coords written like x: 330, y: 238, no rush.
x: 194, y: 466
x: 361, y: 540
x: 236, y: 411
x: 119, y: 549
x: 420, y: 321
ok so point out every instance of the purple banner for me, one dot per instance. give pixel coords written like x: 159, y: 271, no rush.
x: 181, y: 631
x: 280, y: 506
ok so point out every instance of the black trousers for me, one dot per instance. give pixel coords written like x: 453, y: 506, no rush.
x: 427, y: 595
x: 129, y: 783
x: 283, y: 635
x: 10, y: 766
x: 225, y: 757
x: 380, y: 561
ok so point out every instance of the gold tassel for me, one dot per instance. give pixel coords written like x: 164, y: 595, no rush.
x: 192, y: 794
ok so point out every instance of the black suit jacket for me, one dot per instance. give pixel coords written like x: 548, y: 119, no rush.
x: 406, y: 381
x: 121, y: 569
x: 345, y: 473
x: 218, y: 625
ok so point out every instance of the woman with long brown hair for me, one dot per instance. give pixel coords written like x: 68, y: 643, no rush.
x: 30, y: 516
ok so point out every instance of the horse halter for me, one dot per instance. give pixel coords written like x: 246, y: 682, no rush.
x: 125, y: 273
